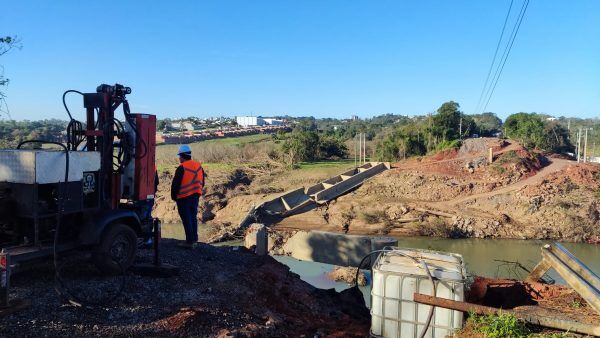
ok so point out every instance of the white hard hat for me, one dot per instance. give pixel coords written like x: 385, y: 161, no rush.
x: 184, y: 149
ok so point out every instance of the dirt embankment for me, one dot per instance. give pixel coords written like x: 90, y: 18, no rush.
x: 522, y: 194
x: 221, y: 187
x: 220, y: 292
x: 455, y: 193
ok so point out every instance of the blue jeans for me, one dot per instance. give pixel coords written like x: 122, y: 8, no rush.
x: 188, y: 211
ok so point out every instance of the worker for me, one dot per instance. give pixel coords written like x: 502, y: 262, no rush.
x: 186, y: 190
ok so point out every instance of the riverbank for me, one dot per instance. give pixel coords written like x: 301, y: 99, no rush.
x: 522, y: 194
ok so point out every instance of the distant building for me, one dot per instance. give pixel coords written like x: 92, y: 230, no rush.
x: 187, y: 126
x: 354, y: 118
x: 551, y: 118
x: 249, y: 121
x: 274, y: 122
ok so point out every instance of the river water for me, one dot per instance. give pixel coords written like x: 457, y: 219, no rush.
x: 482, y: 256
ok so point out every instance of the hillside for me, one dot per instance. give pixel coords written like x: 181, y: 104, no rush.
x: 522, y: 194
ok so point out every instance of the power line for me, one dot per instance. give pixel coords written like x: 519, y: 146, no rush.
x: 507, y: 51
x: 494, y: 58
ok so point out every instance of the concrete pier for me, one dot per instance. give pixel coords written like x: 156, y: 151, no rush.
x: 323, y: 247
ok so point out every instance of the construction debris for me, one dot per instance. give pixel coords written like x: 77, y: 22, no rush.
x: 347, y: 275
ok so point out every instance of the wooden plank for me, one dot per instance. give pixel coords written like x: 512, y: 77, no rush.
x: 540, y: 270
x: 550, y: 322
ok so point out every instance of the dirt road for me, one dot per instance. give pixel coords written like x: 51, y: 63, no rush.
x: 554, y: 166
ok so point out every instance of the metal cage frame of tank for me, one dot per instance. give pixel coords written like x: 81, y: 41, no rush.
x: 434, y: 330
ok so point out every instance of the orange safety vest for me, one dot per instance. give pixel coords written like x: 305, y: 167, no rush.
x: 193, y: 179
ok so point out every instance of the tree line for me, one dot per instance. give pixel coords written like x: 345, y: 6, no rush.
x: 12, y: 132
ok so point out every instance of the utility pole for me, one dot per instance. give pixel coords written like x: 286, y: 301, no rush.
x: 460, y: 127
x: 364, y: 148
x: 359, y: 148
x: 365, y: 156
x: 578, y: 144
x: 585, y: 146
x: 355, y: 151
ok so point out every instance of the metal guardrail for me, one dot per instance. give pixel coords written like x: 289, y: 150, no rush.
x: 572, y: 270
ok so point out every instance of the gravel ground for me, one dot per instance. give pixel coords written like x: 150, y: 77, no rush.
x: 220, y: 291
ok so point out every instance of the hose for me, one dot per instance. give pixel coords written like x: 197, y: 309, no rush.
x: 417, y: 261
x: 65, y: 103
x: 75, y: 134
x: 61, y: 289
x: 129, y: 118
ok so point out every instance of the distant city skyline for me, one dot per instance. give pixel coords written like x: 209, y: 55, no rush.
x: 325, y: 59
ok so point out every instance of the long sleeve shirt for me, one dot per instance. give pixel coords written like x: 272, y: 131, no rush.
x: 177, y: 178
x: 176, y: 184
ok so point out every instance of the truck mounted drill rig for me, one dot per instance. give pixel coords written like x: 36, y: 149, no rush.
x: 91, y: 193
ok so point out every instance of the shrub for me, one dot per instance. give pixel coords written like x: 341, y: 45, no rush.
x: 503, y: 325
x: 331, y: 147
x: 445, y: 145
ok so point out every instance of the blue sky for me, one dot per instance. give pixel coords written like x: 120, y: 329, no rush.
x: 322, y: 58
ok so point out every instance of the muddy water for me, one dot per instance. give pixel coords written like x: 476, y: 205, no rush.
x: 481, y: 256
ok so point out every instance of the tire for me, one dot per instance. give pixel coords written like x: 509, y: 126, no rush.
x: 117, y: 249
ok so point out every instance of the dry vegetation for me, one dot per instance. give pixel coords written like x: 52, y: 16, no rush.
x: 222, y: 153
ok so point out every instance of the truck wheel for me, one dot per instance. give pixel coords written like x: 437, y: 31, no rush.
x: 116, y: 251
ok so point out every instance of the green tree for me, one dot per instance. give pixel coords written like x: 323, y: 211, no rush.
x: 534, y: 131
x: 487, y: 124
x: 557, y: 137
x: 450, y: 122
x: 332, y: 147
x: 405, y: 141
x: 528, y: 129
x: 301, y: 145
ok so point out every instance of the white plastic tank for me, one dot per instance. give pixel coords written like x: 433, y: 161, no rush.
x: 395, y: 280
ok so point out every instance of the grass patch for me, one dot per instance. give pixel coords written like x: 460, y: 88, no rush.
x: 507, y: 157
x: 597, y: 176
x: 503, y: 325
x: 498, y: 169
x: 318, y: 165
x: 233, y: 141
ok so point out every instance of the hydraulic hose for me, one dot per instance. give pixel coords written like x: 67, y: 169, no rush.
x: 417, y: 261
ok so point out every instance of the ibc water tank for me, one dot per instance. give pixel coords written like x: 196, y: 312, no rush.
x: 395, y: 280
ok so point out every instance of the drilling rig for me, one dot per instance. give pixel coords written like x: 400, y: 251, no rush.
x: 89, y: 193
